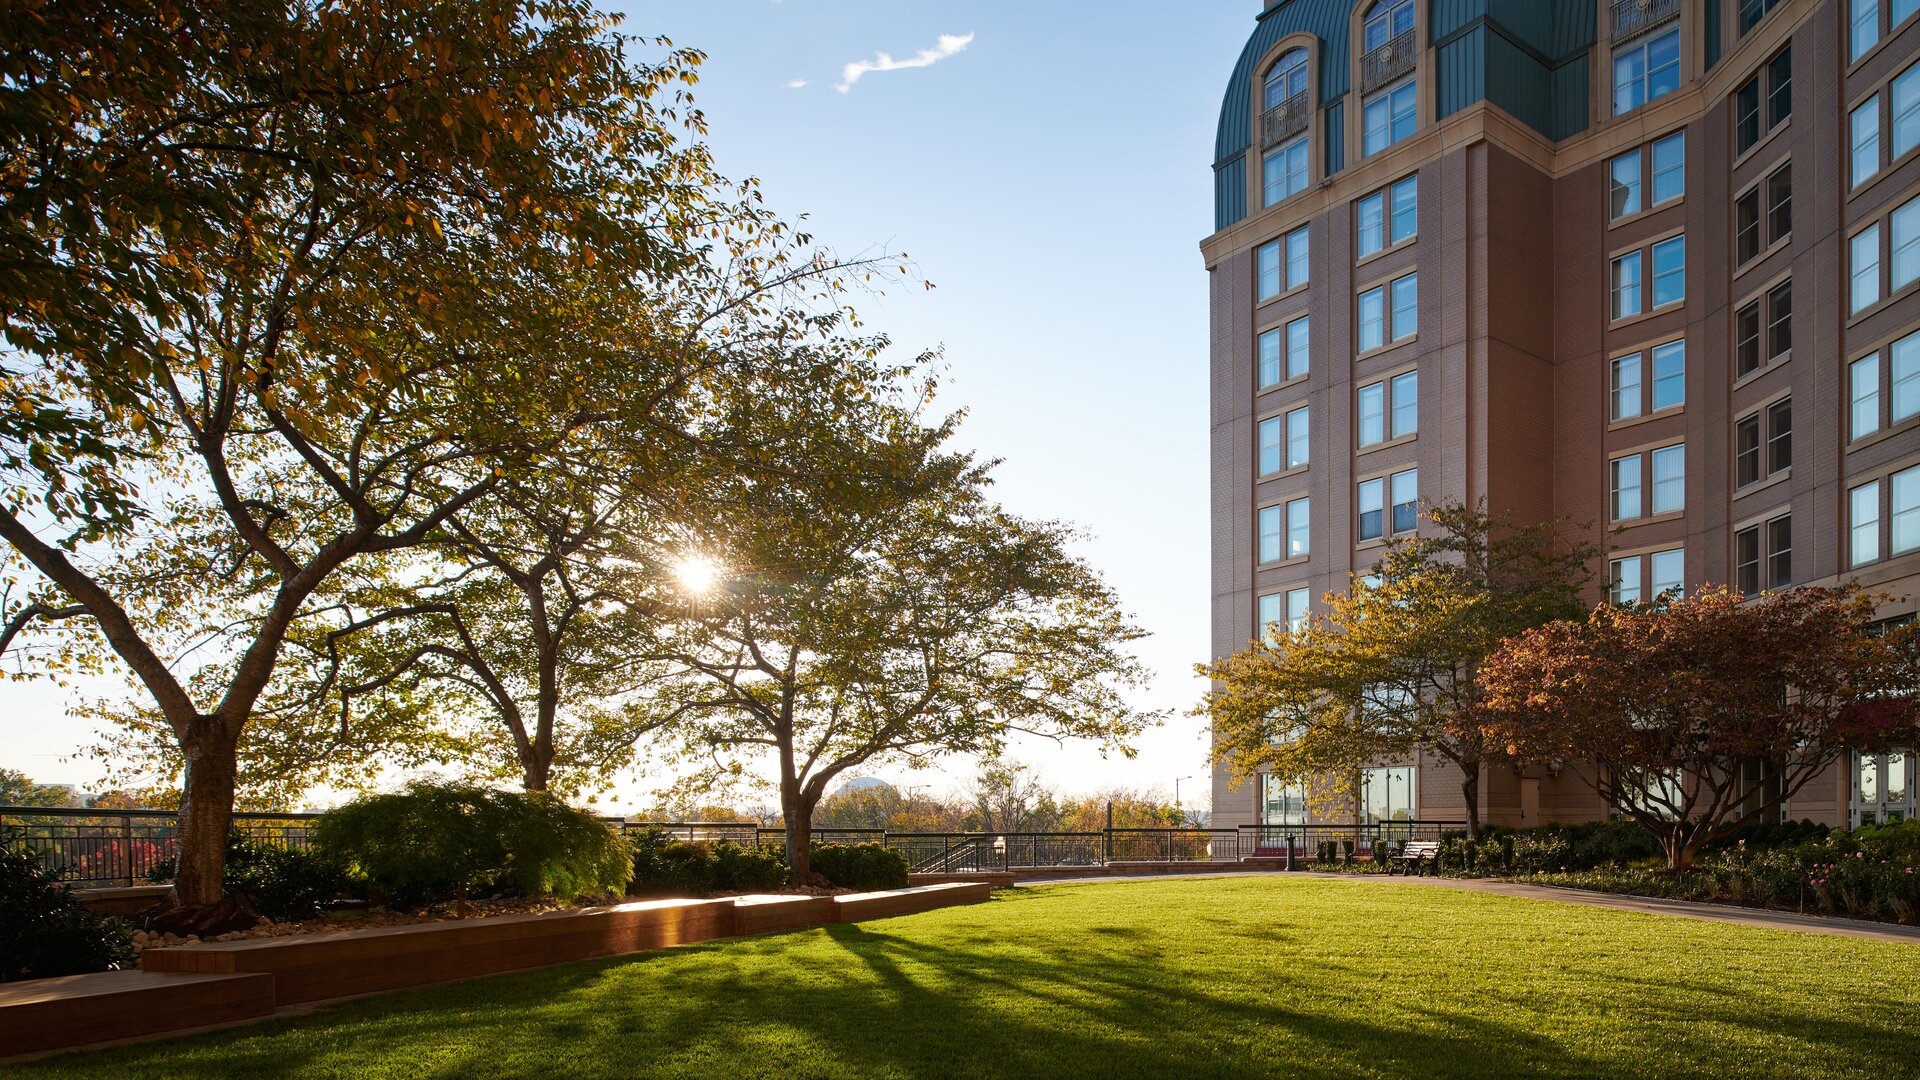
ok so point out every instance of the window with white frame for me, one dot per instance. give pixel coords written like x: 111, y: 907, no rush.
x: 1623, y: 482
x: 1903, y: 375
x: 1623, y: 285
x: 1283, y: 170
x: 1272, y: 533
x: 1387, y: 793
x: 1297, y: 443
x: 1624, y: 185
x: 1270, y: 446
x: 1388, y: 117
x: 1283, y: 442
x: 1665, y: 571
x: 1389, y: 408
x: 1669, y: 478
x: 1283, y: 353
x: 1670, y: 271
x: 1389, y: 505
x: 1863, y: 127
x: 1628, y: 387
x: 1903, y: 237
x: 1863, y: 269
x: 1389, y: 313
x: 1646, y: 70
x: 1903, y: 95
x: 1669, y: 167
x: 1863, y: 392
x: 1387, y: 217
x: 1668, y: 570
x: 1624, y: 580
x: 1863, y: 27
x: 1297, y: 528
x: 1882, y: 790
x: 1281, y: 265
x: 1268, y: 615
x: 1863, y: 524
x: 1669, y: 375
x: 1282, y: 803
x: 1905, y: 505
x: 1296, y: 610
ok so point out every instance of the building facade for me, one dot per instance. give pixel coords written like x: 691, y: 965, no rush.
x: 1650, y: 264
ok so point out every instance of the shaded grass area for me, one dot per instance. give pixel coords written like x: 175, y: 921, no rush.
x: 1199, y: 977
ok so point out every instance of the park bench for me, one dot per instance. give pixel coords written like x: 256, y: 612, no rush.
x: 1414, y: 855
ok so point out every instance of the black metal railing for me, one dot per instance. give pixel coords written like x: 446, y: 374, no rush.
x: 1387, y: 61
x: 1633, y: 17
x: 1283, y: 121
x: 96, y: 848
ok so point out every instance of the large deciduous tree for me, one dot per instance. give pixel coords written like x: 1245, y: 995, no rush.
x: 1390, y: 668
x: 1672, y: 701
x: 257, y: 324
x: 869, y: 615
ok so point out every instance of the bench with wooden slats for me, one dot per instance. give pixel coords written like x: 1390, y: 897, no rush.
x: 1416, y: 857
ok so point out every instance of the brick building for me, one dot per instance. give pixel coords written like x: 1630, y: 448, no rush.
x: 1650, y: 264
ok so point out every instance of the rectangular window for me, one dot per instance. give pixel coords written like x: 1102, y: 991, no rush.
x: 1863, y: 269
x: 1406, y: 404
x: 1780, y: 436
x: 1864, y: 380
x: 1624, y: 285
x: 1406, y: 307
x: 1669, y: 271
x: 1297, y: 528
x: 1283, y: 172
x: 1623, y: 577
x: 1905, y: 94
x: 1373, y: 414
x: 1669, y: 478
x: 1372, y: 223
x: 1372, y: 501
x: 1387, y: 117
x: 1779, y: 88
x: 1297, y: 438
x: 1296, y: 258
x: 1903, y: 236
x: 1627, y: 392
x: 1863, y: 27
x: 1669, y: 375
x: 1624, y: 473
x: 1746, y: 340
x: 1746, y: 450
x: 1387, y: 793
x: 1746, y: 561
x: 1669, y: 571
x: 1623, y: 187
x: 1296, y: 610
x: 1297, y: 348
x: 1902, y: 10
x: 1406, y: 500
x: 1906, y: 510
x: 1864, y: 126
x: 1646, y: 71
x: 1269, y: 359
x: 1266, y: 260
x: 1271, y: 445
x: 1903, y: 368
x: 1780, y: 552
x: 1271, y: 533
x: 1780, y: 321
x: 1746, y: 115
x: 1373, y: 319
x: 1268, y: 613
x: 1669, y: 167
x: 1746, y: 227
x: 1388, y: 216
x: 1780, y: 204
x: 1405, y: 220
x: 1863, y: 517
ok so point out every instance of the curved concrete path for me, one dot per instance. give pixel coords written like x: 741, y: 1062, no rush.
x: 1646, y: 905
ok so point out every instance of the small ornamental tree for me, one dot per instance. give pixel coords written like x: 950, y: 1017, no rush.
x: 1390, y: 668
x: 1671, y: 700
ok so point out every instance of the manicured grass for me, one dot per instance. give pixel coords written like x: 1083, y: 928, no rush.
x: 1248, y: 976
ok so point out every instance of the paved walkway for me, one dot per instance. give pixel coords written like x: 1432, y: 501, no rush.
x: 1646, y: 905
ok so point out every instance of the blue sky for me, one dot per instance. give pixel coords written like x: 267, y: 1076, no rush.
x: 1052, y: 178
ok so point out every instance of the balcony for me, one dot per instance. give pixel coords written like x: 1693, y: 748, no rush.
x: 1387, y: 61
x: 1631, y: 17
x: 1283, y: 121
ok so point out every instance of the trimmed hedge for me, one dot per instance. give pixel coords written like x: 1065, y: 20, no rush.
x: 45, y: 930
x: 861, y: 867
x: 665, y: 866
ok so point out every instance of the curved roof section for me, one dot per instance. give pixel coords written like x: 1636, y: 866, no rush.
x: 1327, y: 20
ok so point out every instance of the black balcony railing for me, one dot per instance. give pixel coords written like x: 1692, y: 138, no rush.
x: 1387, y: 61
x: 1283, y: 121
x: 1631, y: 17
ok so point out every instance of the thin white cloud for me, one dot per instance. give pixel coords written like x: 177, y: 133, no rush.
x: 795, y: 84
x: 946, y: 46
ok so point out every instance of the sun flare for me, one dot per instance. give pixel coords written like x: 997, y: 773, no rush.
x: 697, y: 574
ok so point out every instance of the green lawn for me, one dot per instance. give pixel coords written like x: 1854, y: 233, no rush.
x: 1229, y: 977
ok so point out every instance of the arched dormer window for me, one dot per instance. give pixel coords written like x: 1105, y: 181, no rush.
x: 1389, y: 107
x: 1283, y: 128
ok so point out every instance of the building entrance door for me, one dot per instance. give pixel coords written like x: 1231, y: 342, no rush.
x: 1883, y: 788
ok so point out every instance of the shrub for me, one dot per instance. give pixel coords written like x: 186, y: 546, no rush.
x: 663, y: 865
x: 280, y: 882
x: 440, y: 841
x: 45, y: 930
x: 863, y: 867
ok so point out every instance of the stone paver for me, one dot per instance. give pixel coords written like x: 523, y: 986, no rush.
x: 1647, y: 905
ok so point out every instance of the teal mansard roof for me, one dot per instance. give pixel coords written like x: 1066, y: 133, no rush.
x: 1529, y: 57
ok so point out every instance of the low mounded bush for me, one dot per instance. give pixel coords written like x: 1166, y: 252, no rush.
x: 281, y: 883
x: 45, y: 930
x: 861, y: 867
x: 452, y: 841
x: 664, y: 866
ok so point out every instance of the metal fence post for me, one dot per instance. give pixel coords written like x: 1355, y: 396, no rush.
x: 126, y: 844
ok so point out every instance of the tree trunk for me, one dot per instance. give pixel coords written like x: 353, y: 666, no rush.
x: 1470, y: 787
x: 199, y: 903
x: 800, y: 842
